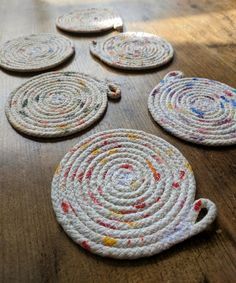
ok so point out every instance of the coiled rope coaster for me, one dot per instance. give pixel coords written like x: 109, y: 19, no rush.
x: 133, y: 51
x: 89, y: 21
x: 127, y: 194
x: 198, y: 110
x: 35, y: 52
x: 58, y: 104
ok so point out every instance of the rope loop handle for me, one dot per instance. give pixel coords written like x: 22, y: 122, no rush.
x: 198, y: 205
x: 173, y: 75
x: 114, y: 92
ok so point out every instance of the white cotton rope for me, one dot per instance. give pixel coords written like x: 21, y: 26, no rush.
x: 35, y: 52
x: 127, y: 194
x: 198, y: 110
x: 133, y: 51
x: 57, y: 104
x: 90, y: 21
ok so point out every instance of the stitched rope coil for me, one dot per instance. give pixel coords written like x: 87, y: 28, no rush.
x: 58, y: 104
x: 35, y: 52
x: 133, y: 51
x: 127, y: 194
x: 89, y: 21
x: 198, y: 110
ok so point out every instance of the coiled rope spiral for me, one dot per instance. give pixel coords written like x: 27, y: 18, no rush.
x: 127, y: 194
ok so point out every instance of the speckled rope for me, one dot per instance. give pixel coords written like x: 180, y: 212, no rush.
x: 127, y: 194
x: 133, y: 51
x: 198, y: 110
x: 89, y: 21
x: 35, y: 52
x: 58, y: 104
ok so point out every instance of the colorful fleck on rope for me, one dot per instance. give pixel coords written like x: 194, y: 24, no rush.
x: 58, y: 104
x: 35, y: 52
x: 127, y: 194
x: 89, y: 21
x: 133, y: 51
x: 198, y: 110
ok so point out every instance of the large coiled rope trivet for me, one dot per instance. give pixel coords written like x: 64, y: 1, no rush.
x: 35, y: 52
x: 127, y: 194
x: 89, y: 21
x: 58, y: 104
x: 198, y: 110
x: 133, y: 51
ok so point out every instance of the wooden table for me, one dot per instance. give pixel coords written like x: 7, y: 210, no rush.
x: 33, y: 247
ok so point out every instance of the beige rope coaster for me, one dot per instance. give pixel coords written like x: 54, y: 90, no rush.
x: 35, y: 52
x: 133, y: 51
x: 90, y: 21
x: 58, y: 104
x: 127, y: 194
x: 198, y: 110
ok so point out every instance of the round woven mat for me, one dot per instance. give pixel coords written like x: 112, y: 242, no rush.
x: 133, y: 51
x: 127, y: 194
x: 198, y: 110
x: 35, y: 52
x: 57, y: 104
x: 89, y: 21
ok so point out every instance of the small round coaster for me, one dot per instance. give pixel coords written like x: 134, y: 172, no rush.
x: 133, y: 51
x: 198, y: 110
x: 127, y: 194
x: 90, y: 21
x: 58, y: 104
x: 35, y: 52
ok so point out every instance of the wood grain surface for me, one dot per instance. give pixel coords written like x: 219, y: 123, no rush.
x: 33, y: 248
